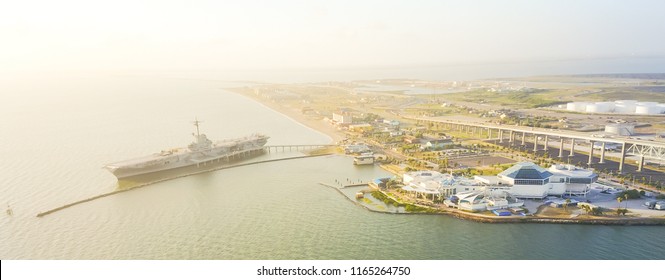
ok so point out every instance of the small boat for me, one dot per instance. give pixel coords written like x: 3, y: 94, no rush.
x: 501, y: 212
x: 9, y: 210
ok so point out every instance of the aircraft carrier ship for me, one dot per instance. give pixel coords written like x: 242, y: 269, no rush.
x: 200, y: 152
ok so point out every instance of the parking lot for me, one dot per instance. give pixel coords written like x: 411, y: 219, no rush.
x: 608, y: 201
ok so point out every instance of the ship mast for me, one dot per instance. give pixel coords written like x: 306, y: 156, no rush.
x: 196, y: 123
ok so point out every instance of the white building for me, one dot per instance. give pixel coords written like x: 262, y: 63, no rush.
x: 488, y: 199
x: 577, y: 181
x: 342, y: 118
x: 528, y: 180
x: 437, y: 184
x: 522, y: 180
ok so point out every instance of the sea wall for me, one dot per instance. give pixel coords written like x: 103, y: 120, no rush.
x: 48, y: 212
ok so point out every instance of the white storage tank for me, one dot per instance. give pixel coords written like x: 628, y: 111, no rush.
x: 647, y: 108
x: 625, y: 101
x: 577, y: 106
x: 624, y: 108
x: 600, y: 107
x: 624, y: 129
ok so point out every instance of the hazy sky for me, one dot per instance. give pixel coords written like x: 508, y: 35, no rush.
x: 182, y: 35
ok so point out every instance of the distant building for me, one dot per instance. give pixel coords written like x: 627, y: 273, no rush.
x: 437, y: 144
x: 342, y: 118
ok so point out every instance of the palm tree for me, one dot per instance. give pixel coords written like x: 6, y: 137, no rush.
x: 565, y: 204
x: 585, y: 208
x: 620, y: 199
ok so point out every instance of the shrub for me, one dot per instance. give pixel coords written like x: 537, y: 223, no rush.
x: 632, y: 194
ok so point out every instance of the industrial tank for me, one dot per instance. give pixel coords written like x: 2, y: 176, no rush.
x: 625, y: 106
x: 577, y: 106
x: 647, y: 108
x: 624, y: 129
x: 600, y: 107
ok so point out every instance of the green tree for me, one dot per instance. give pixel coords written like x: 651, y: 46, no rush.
x: 565, y: 204
x: 619, y: 199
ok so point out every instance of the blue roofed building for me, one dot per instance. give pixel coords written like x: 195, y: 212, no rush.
x: 528, y: 180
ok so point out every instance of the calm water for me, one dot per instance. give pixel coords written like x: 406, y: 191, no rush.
x: 56, y: 135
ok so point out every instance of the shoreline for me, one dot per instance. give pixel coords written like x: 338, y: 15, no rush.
x: 335, y: 135
x: 480, y: 218
x: 319, y: 126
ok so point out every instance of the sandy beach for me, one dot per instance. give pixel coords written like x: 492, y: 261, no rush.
x: 312, y: 122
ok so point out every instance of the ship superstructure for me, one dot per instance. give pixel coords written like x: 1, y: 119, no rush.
x: 200, y: 152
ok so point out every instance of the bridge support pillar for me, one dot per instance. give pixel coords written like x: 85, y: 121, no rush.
x: 602, y: 153
x: 572, y: 147
x: 590, y: 155
x: 623, y: 157
x: 640, y: 164
x: 500, y: 136
x: 523, y: 138
x: 546, y: 146
x: 489, y: 133
x: 561, y: 148
x: 535, y: 142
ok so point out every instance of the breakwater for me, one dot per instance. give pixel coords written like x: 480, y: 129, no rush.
x: 51, y: 211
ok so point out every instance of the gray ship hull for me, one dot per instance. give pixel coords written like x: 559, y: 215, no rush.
x: 185, y: 165
x: 199, y: 154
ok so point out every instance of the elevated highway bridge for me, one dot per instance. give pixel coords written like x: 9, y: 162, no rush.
x: 643, y: 149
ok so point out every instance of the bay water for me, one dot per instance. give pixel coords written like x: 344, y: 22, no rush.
x: 57, y: 134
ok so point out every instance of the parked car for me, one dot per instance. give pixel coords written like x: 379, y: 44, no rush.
x: 650, y: 204
x: 660, y: 205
